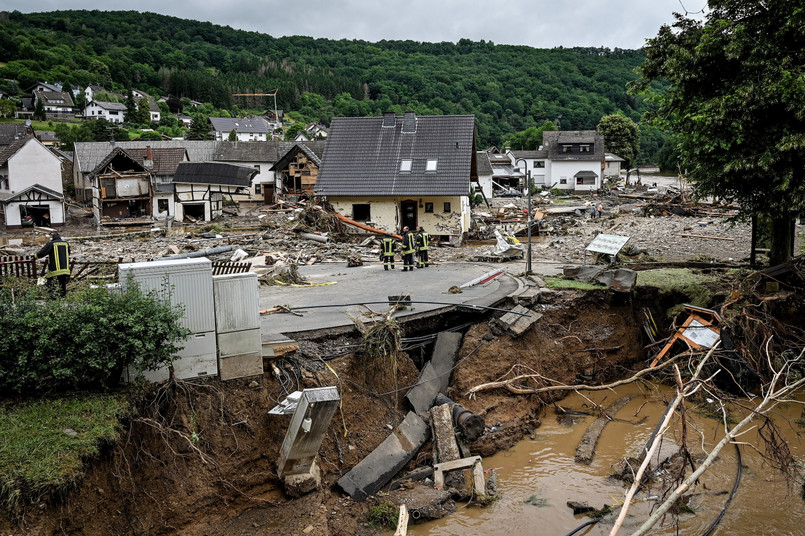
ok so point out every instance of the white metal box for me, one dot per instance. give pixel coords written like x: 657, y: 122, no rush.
x: 184, y: 282
x: 197, y: 358
x: 236, y: 305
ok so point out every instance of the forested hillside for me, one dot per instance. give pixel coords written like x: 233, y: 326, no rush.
x: 507, y: 88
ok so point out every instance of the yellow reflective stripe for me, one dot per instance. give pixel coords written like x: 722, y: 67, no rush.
x: 59, y: 249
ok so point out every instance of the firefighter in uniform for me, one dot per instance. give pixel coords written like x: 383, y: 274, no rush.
x: 58, y: 253
x: 422, y: 241
x: 389, y: 248
x: 408, y: 249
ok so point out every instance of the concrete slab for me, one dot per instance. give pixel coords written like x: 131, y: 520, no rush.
x: 375, y: 471
x: 370, y: 283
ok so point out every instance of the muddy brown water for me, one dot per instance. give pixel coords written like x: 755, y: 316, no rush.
x: 538, y: 476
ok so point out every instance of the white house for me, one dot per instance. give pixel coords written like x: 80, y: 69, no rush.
x: 155, y: 114
x: 567, y: 160
x: 31, y: 184
x: 114, y: 112
x: 246, y: 128
x: 202, y: 187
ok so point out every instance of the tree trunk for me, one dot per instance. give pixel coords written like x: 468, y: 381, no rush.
x: 782, y: 240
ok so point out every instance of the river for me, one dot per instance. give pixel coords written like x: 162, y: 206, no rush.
x: 538, y: 476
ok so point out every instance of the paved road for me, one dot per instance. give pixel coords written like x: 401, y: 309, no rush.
x: 370, y: 284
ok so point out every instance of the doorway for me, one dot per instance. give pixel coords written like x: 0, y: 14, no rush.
x: 408, y: 214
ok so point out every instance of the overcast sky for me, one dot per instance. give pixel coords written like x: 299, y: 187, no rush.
x: 536, y: 23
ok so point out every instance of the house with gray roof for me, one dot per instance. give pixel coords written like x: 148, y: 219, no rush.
x: 395, y: 171
x: 55, y: 103
x: 246, y: 128
x: 114, y: 112
x: 11, y: 132
x: 202, y: 187
x: 574, y: 159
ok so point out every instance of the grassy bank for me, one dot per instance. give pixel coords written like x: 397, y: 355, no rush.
x: 44, y: 442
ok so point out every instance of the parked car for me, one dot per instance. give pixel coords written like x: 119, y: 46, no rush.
x: 509, y: 192
x: 27, y: 221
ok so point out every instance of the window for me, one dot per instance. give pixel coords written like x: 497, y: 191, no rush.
x: 585, y: 180
x: 162, y: 205
x: 584, y: 148
x: 428, y: 207
x: 563, y: 181
x: 431, y: 165
x: 539, y: 163
x: 361, y: 212
x: 405, y: 164
x: 567, y: 148
x: 447, y: 206
x: 257, y: 188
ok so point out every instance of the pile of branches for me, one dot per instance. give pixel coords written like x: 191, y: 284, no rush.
x: 283, y: 274
x: 315, y: 218
x: 762, y: 319
x: 382, y: 343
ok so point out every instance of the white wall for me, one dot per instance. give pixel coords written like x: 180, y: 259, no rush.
x: 56, y: 209
x: 385, y: 213
x: 567, y: 169
x: 34, y: 164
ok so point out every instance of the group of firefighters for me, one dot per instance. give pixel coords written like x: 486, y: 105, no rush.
x: 413, y: 242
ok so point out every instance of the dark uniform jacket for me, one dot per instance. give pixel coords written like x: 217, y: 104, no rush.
x: 58, y: 254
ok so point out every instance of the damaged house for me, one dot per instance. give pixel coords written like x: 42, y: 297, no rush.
x: 394, y: 171
x: 121, y: 188
x: 297, y: 169
x: 202, y: 187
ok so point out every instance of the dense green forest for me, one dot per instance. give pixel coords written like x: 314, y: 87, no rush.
x: 508, y: 88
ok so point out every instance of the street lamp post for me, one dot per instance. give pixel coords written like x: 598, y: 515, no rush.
x: 528, y: 217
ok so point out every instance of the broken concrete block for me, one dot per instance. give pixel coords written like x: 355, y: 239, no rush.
x: 428, y: 385
x: 303, y: 483
x: 516, y: 322
x: 375, y: 471
x: 444, y: 437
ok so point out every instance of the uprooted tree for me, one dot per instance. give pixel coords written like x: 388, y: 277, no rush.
x: 736, y: 105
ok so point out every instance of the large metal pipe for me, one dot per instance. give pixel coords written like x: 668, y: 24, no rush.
x: 316, y: 238
x: 471, y: 424
x: 202, y: 253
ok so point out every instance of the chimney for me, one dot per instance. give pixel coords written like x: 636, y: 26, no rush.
x: 148, y: 162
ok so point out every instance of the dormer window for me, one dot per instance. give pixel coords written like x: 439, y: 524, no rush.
x: 405, y: 165
x: 584, y: 148
x: 567, y: 148
x: 431, y: 165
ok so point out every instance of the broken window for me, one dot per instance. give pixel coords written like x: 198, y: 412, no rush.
x: 361, y: 212
x: 162, y: 205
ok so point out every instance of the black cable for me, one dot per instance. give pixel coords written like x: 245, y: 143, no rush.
x: 715, y: 523
x: 591, y: 522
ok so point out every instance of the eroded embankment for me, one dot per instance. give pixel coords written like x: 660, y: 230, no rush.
x: 201, y: 458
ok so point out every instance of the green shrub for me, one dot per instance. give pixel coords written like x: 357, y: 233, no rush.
x: 83, y: 341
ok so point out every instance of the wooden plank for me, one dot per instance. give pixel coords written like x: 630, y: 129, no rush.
x: 402, y: 522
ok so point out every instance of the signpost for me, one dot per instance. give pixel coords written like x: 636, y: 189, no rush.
x: 606, y: 244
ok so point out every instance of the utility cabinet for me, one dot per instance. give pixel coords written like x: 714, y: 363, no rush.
x: 185, y: 283
x: 237, y: 323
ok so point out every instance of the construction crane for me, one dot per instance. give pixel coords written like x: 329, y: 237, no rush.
x: 274, y: 94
